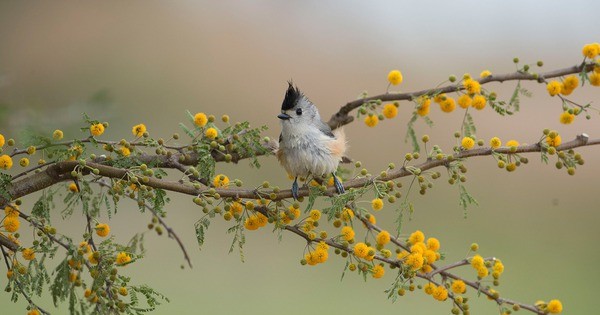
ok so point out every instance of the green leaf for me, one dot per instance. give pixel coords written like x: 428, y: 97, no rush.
x: 201, y: 226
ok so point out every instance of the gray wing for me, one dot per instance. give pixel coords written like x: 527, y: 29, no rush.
x: 325, y: 128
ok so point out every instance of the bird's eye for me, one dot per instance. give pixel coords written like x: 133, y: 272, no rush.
x: 299, y: 111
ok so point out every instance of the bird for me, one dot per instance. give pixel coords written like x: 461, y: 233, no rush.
x: 307, y: 145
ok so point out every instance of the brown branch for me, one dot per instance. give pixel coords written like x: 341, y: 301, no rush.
x: 342, y: 117
x: 6, y: 242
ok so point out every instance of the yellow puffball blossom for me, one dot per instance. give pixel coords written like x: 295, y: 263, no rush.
x: 416, y: 237
x: 390, y: 111
x: 591, y: 50
x: 73, y: 187
x: 485, y: 74
x: 553, y: 87
x: 57, y: 134
x: 24, y: 162
x: 595, y: 79
x: 395, y: 77
x: 261, y: 219
x: 378, y: 271
x: 472, y: 86
x: 315, y: 214
x: 419, y: 247
x: 512, y: 143
x: 123, y: 291
x: 383, y: 237
x: 440, y: 98
x: 401, y: 255
x: 211, y: 133
x: 464, y: 101
x: 93, y: 258
x: 221, y: 181
x: 430, y: 256
x: 102, y: 229
x: 495, y: 143
x: 348, y: 233
x: 122, y: 258
x: 571, y: 82
x: 477, y: 262
x: 11, y: 224
x: 321, y: 255
x: 414, y: 261
x: 2, y: 140
x: 125, y: 151
x: 361, y: 250
x: 138, y: 130
x: 200, y: 119
x: 371, y: 120
x: 479, y: 102
x: 565, y: 118
x: 429, y: 288
x: 251, y: 223
x: 34, y: 311
x: 482, y: 272
x: 458, y: 286
x: 11, y: 211
x: 448, y: 105
x: 554, y: 307
x: 433, y: 244
x: 440, y: 293
x: 347, y: 214
x: 554, y: 142
x: 498, y: 267
x: 236, y: 208
x: 28, y: 254
x: 424, y: 106
x: 97, y: 129
x: 468, y: 143
x: 564, y: 90
x: 6, y: 162
x: 377, y: 204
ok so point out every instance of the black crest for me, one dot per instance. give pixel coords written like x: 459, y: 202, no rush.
x: 292, y: 95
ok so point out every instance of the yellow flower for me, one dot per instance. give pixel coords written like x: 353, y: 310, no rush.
x: 93, y: 258
x: 125, y: 151
x: 512, y: 143
x: 477, y: 261
x: 554, y: 307
x: 419, y: 247
x: 11, y: 211
x: 102, y: 229
x: 554, y: 142
x: 378, y: 271
x: 571, y: 82
x: 430, y: 256
x: 211, y: 133
x: 371, y: 219
x: 321, y: 255
x: 85, y: 247
x: 416, y: 237
x: 401, y: 255
x: 495, y: 143
x: 97, y: 129
x: 311, y: 259
x: 464, y: 101
x: 429, y: 288
x: 315, y: 214
x: 33, y: 312
x: 440, y: 98
x: 472, y: 86
x: 361, y: 250
x: 73, y: 187
x: 440, y: 293
x: 390, y: 111
x: 138, y: 130
x: 347, y: 214
x: 123, y: 291
x: 564, y: 90
x: 591, y: 50
x: 433, y: 243
x: 6, y: 162
x: 467, y: 143
x: 200, y: 119
x: 28, y: 254
x: 553, y: 88
x: 498, y: 267
x: 482, y: 272
x: 458, y: 286
x: 261, y: 219
x: 348, y: 233
x: 424, y: 106
x: 251, y: 223
x: 485, y: 74
x: 395, y: 77
x: 565, y: 118
x: 122, y: 259
x: 221, y: 181
x: 448, y: 105
x: 383, y: 237
x: 595, y: 79
x: 377, y: 204
x: 479, y: 102
x: 414, y: 261
x: 294, y: 212
x: 57, y: 134
x: 24, y: 162
x: 371, y: 120
x: 11, y: 224
x: 236, y: 208
x: 2, y: 141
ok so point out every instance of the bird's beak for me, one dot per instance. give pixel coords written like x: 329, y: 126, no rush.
x: 284, y: 116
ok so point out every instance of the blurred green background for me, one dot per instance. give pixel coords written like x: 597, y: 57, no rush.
x: 132, y: 62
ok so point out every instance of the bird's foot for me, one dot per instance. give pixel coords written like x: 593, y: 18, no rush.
x: 295, y: 189
x: 338, y: 185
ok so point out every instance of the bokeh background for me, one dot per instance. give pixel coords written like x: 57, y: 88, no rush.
x: 150, y: 61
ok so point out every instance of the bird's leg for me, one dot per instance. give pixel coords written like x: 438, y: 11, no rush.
x: 338, y: 185
x: 295, y: 188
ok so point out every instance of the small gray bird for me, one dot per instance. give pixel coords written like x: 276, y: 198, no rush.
x: 307, y: 146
